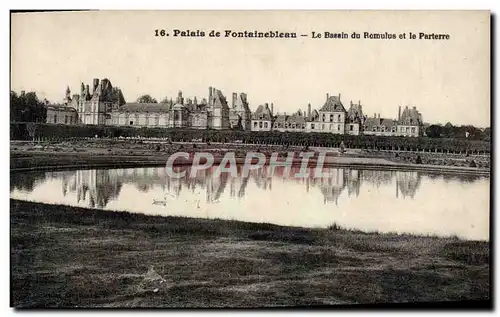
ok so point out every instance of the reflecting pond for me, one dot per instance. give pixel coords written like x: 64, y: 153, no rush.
x: 368, y: 200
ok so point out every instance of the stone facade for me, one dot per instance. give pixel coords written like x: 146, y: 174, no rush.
x: 333, y: 118
x: 263, y: 118
x: 409, y: 123
x: 61, y: 114
x: 105, y: 105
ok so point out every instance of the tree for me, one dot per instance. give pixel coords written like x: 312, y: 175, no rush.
x: 434, y: 131
x: 31, y: 127
x: 26, y: 107
x: 146, y: 99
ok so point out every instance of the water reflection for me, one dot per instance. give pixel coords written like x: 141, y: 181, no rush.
x: 362, y: 193
x: 99, y: 187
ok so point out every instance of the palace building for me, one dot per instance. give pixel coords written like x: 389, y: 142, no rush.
x: 103, y: 104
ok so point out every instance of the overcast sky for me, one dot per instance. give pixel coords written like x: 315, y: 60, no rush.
x: 446, y: 80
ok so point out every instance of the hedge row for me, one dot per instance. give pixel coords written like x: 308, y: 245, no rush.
x: 18, y: 131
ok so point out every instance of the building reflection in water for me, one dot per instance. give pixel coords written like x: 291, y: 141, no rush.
x: 98, y: 187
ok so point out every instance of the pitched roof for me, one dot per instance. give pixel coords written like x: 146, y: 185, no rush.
x: 333, y: 104
x: 411, y: 116
x: 354, y: 115
x: 242, y: 103
x: 262, y: 110
x: 376, y: 122
x: 144, y: 107
x: 220, y: 99
x: 59, y: 107
x: 314, y: 115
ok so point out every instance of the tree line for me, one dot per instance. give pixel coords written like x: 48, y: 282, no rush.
x: 26, y: 107
x: 19, y: 131
x: 458, y: 132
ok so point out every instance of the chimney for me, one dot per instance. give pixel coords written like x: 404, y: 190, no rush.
x: 87, y: 89
x: 339, y: 96
x: 414, y: 108
x: 272, y: 108
x: 379, y: 115
x: 309, y: 111
x: 210, y: 95
x: 399, y: 113
x: 327, y: 96
x: 235, y: 97
x: 374, y: 115
x: 95, y: 84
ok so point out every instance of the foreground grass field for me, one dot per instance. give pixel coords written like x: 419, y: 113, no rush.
x: 72, y: 257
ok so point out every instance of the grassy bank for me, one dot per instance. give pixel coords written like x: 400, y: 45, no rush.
x: 66, y: 257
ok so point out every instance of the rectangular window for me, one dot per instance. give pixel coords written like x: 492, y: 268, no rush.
x: 55, y: 118
x: 322, y: 126
x: 312, y: 126
x: 131, y: 122
x: 338, y: 127
x: 412, y: 130
x: 331, y: 118
x: 331, y: 127
x: 255, y: 124
x: 260, y: 124
x: 323, y: 117
x: 265, y: 124
x: 338, y: 118
x: 351, y: 127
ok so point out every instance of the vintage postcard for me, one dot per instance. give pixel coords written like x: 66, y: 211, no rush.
x: 179, y: 159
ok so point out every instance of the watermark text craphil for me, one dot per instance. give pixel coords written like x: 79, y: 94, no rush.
x: 253, y: 161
